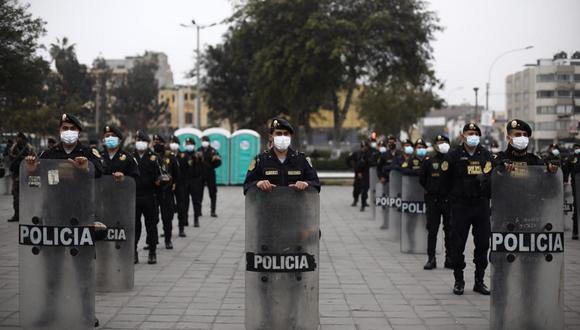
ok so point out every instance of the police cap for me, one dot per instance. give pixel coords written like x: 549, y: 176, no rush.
x: 420, y: 142
x: 189, y: 140
x: 174, y: 139
x: 157, y: 137
x: 71, y: 119
x: 472, y: 127
x: 406, y: 141
x: 113, y: 129
x: 519, y: 124
x: 441, y: 138
x: 391, y: 137
x: 281, y: 123
x: 142, y: 136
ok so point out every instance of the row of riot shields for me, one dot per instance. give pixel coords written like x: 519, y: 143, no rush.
x: 61, y: 261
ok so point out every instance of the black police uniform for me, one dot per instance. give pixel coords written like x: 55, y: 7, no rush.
x: 80, y: 150
x: 189, y: 186
x: 170, y: 173
x: 146, y: 203
x: 267, y: 166
x: 571, y: 168
x: 516, y: 157
x: 361, y: 161
x: 121, y: 161
x: 437, y: 204
x: 467, y: 181
x: 385, y: 163
x: 16, y: 155
x: 211, y: 160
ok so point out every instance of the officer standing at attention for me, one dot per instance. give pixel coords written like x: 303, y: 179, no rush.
x: 211, y: 160
x: 16, y: 154
x: 571, y: 169
x: 467, y: 183
x: 191, y: 185
x: 436, y: 200
x: 352, y: 161
x: 165, y: 194
x: 117, y: 162
x: 146, y: 187
x: 403, y: 157
x: 553, y: 155
x: 387, y: 157
x: 281, y: 165
x: 412, y: 165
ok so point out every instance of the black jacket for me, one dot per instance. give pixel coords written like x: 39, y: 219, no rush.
x: 80, y: 150
x: 211, y: 160
x: 149, y: 170
x: 468, y: 177
x: 191, y: 165
x: 385, y: 164
x: 431, y: 173
x: 122, y: 162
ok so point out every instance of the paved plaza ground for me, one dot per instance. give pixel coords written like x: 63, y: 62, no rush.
x: 365, y: 282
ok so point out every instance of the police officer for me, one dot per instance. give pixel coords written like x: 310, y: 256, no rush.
x: 412, y: 165
x: 403, y: 157
x: 116, y: 161
x: 281, y: 165
x: 553, y: 155
x: 467, y: 180
x: 170, y: 174
x: 16, y: 154
x: 436, y: 200
x: 191, y: 185
x: 352, y: 161
x: 361, y: 162
x: 571, y: 169
x: 211, y: 160
x: 388, y: 155
x: 146, y: 188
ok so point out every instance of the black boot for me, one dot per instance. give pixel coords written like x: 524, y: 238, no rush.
x: 146, y: 247
x: 362, y: 208
x: 480, y: 286
x: 353, y: 203
x: 14, y: 218
x: 152, y: 255
x: 431, y: 264
x: 196, y: 222
x: 136, y: 257
x: 181, y: 232
x: 96, y: 322
x: 169, y: 245
x: 448, y: 263
x: 459, y: 285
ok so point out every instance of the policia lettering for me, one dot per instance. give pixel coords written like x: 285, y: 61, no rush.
x: 552, y: 242
x: 280, y: 263
x: 56, y: 236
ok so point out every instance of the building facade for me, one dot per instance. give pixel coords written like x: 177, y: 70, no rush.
x: 547, y: 95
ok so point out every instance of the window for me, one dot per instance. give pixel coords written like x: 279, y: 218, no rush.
x: 577, y: 77
x: 189, y: 118
x: 563, y: 77
x: 173, y: 98
x: 564, y: 109
x: 546, y: 126
x: 192, y: 96
x: 545, y: 94
x: 185, y: 96
x: 545, y: 77
x: 576, y: 93
x: 564, y: 94
x: 545, y: 110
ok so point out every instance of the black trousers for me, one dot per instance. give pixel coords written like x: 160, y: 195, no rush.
x: 575, y: 214
x: 191, y: 188
x: 473, y: 215
x: 166, y: 201
x: 16, y: 194
x: 437, y: 209
x: 147, y: 206
x: 361, y: 188
x: 209, y: 180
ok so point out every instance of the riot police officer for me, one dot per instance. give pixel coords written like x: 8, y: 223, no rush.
x: 116, y: 161
x: 170, y: 173
x: 436, y: 200
x: 281, y: 165
x: 516, y: 155
x: 190, y: 186
x: 403, y: 157
x: 146, y: 188
x: 553, y: 155
x: 466, y: 178
x: 211, y: 160
x: 16, y: 154
x: 571, y: 169
x: 388, y: 155
x: 412, y: 165
x: 361, y: 162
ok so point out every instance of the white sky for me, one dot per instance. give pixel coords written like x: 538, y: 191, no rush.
x: 476, y: 32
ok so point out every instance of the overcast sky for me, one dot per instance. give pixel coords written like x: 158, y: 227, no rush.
x: 476, y: 32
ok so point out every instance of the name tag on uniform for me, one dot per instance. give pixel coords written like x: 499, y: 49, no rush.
x: 474, y: 168
x: 520, y: 170
x: 294, y: 172
x: 271, y: 172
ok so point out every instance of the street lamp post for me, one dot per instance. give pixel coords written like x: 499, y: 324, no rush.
x: 475, y: 89
x: 491, y: 68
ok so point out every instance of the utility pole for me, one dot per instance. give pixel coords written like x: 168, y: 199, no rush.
x: 198, y: 89
x: 98, y: 103
x: 475, y: 89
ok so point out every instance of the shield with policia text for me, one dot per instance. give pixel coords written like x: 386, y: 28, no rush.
x: 57, y: 251
x: 373, y: 179
x: 382, y: 204
x: 115, y: 207
x: 527, y: 249
x: 413, y: 216
x: 394, y: 205
x: 282, y: 249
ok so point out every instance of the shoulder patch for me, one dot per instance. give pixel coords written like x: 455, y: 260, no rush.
x: 415, y: 162
x: 167, y: 161
x: 96, y: 153
x: 122, y: 157
x: 444, y: 166
x: 153, y: 158
x: 487, y: 167
x: 252, y: 165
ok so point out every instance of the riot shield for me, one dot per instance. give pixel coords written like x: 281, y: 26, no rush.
x: 574, y: 223
x: 527, y: 250
x: 373, y: 187
x: 394, y: 205
x: 115, y: 207
x: 413, y: 216
x: 56, y: 252
x: 568, y: 207
x: 282, y: 249
x: 381, y: 203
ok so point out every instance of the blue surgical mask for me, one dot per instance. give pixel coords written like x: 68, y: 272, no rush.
x: 421, y: 152
x: 472, y: 140
x: 408, y: 150
x: 577, y: 151
x: 190, y: 147
x: 111, y: 142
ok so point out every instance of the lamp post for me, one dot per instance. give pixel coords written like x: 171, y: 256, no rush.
x: 475, y: 89
x: 197, y: 70
x: 491, y: 68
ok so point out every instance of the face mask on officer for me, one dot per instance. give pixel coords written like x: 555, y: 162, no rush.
x: 282, y: 142
x: 408, y: 150
x: 205, y: 144
x: 373, y: 145
x: 520, y: 142
x: 190, y: 147
x: 111, y: 142
x: 472, y: 140
x: 443, y: 148
x: 421, y: 151
x: 555, y: 152
x: 141, y: 145
x: 174, y: 146
x: 382, y: 149
x: 577, y: 151
x: 69, y: 136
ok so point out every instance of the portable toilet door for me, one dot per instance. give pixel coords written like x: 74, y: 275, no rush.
x: 245, y: 145
x: 189, y: 132
x: 219, y: 139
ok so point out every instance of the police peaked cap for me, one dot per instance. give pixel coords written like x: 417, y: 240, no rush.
x: 113, y: 129
x: 472, y: 127
x: 158, y: 138
x: 71, y: 119
x: 420, y: 142
x: 189, y: 140
x: 519, y: 124
x: 554, y: 146
x: 407, y: 141
x: 174, y: 139
x: 441, y: 138
x: 280, y: 123
x: 391, y: 137
x: 142, y: 136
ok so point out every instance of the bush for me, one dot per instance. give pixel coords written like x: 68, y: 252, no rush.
x: 327, y: 164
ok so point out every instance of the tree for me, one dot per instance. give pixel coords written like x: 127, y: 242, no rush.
x: 22, y: 71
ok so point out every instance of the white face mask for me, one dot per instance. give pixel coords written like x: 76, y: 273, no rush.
x: 190, y: 147
x: 520, y: 142
x: 174, y: 146
x: 383, y: 149
x: 282, y: 142
x: 69, y: 137
x: 408, y: 150
x: 443, y: 148
x: 205, y: 144
x: 141, y: 145
x: 577, y: 151
x: 373, y: 145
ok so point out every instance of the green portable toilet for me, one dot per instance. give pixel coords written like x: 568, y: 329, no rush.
x: 245, y: 145
x: 219, y: 139
x: 189, y: 132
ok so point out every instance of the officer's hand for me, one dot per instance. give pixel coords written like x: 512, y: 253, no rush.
x: 552, y: 168
x: 383, y: 180
x: 118, y: 176
x: 299, y: 185
x: 30, y: 163
x: 509, y: 167
x: 81, y: 162
x: 265, y: 185
x: 157, y: 183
